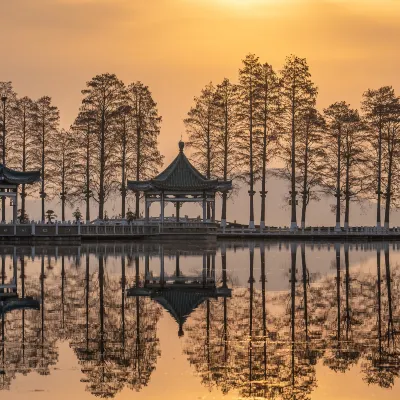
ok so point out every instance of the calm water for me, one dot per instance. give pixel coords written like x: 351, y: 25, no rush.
x: 190, y: 321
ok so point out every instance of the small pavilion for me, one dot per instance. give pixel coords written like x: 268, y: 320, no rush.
x: 9, y: 181
x: 180, y: 183
x: 180, y: 294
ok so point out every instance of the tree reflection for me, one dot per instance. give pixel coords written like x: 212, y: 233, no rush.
x: 252, y: 340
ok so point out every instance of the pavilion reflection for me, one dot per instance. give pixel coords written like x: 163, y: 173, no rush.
x: 106, y: 301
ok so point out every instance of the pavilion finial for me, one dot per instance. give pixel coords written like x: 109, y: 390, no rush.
x: 181, y: 145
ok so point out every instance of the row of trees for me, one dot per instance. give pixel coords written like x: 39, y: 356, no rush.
x: 114, y: 135
x: 237, y: 129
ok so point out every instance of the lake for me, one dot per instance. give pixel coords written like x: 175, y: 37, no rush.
x: 225, y: 320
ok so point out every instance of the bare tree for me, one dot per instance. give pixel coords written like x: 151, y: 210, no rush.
x: 249, y: 106
x: 83, y: 127
x: 310, y: 161
x: 46, y: 119
x: 376, y: 106
x: 104, y: 97
x: 145, y: 123
x: 227, y: 126
x: 298, y: 93
x: 344, y: 157
x: 201, y: 127
x: 8, y: 98
x: 23, y: 144
x: 268, y: 114
x: 62, y: 162
x: 391, y: 152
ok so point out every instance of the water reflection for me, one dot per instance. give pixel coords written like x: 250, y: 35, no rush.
x: 255, y: 319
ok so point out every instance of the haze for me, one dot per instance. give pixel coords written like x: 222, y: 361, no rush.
x: 52, y: 47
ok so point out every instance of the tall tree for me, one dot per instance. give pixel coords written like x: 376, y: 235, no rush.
x: 344, y: 157
x: 104, y: 96
x: 23, y: 156
x: 249, y: 105
x: 8, y: 98
x: 201, y: 128
x: 46, y: 119
x: 310, y: 160
x: 298, y: 93
x: 227, y: 126
x: 376, y: 106
x: 391, y: 151
x: 84, y: 136
x: 124, y: 150
x: 146, y: 125
x: 268, y: 114
x: 62, y: 161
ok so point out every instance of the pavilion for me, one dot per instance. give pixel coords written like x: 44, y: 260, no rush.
x: 180, y: 183
x: 180, y: 294
x: 9, y: 181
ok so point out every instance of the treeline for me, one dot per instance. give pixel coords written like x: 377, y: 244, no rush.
x: 236, y: 129
x: 114, y: 135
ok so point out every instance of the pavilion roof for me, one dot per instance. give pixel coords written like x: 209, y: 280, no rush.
x: 8, y: 175
x: 18, y: 304
x: 180, y: 176
x: 180, y: 301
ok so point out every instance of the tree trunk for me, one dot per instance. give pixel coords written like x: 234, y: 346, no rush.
x: 123, y: 168
x: 305, y: 179
x: 23, y: 189
x: 102, y: 166
x: 224, y: 194
x: 347, y: 195
x: 293, y: 221
x: 264, y: 174
x: 251, y: 191
x: 43, y: 172
x: 87, y: 195
x: 337, y: 227
x: 379, y: 189
x: 389, y: 188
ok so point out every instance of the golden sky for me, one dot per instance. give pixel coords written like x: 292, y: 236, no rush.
x: 53, y: 47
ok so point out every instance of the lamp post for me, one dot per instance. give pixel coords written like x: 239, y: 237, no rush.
x: 3, y: 199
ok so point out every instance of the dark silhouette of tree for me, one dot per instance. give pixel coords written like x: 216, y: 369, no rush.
x: 8, y: 98
x: 201, y: 128
x: 298, y: 94
x: 249, y: 108
x: 344, y: 157
x: 145, y: 123
x: 227, y: 135
x: 124, y: 150
x: 62, y: 160
x: 268, y: 117
x: 84, y: 128
x: 46, y: 119
x: 391, y: 139
x: 103, y: 96
x: 376, y: 106
x: 23, y: 134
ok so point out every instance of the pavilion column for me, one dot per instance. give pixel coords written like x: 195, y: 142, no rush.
x: 213, y: 210
x: 162, y: 207
x: 204, y: 208
x: 146, y: 268
x: 162, y: 272
x: 146, y: 209
x: 178, y: 206
x: 15, y: 208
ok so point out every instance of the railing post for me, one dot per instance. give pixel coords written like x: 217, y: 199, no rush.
x: 79, y: 227
x: 56, y: 227
x: 33, y: 228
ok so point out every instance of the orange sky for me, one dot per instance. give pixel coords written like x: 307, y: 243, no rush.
x: 53, y: 47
